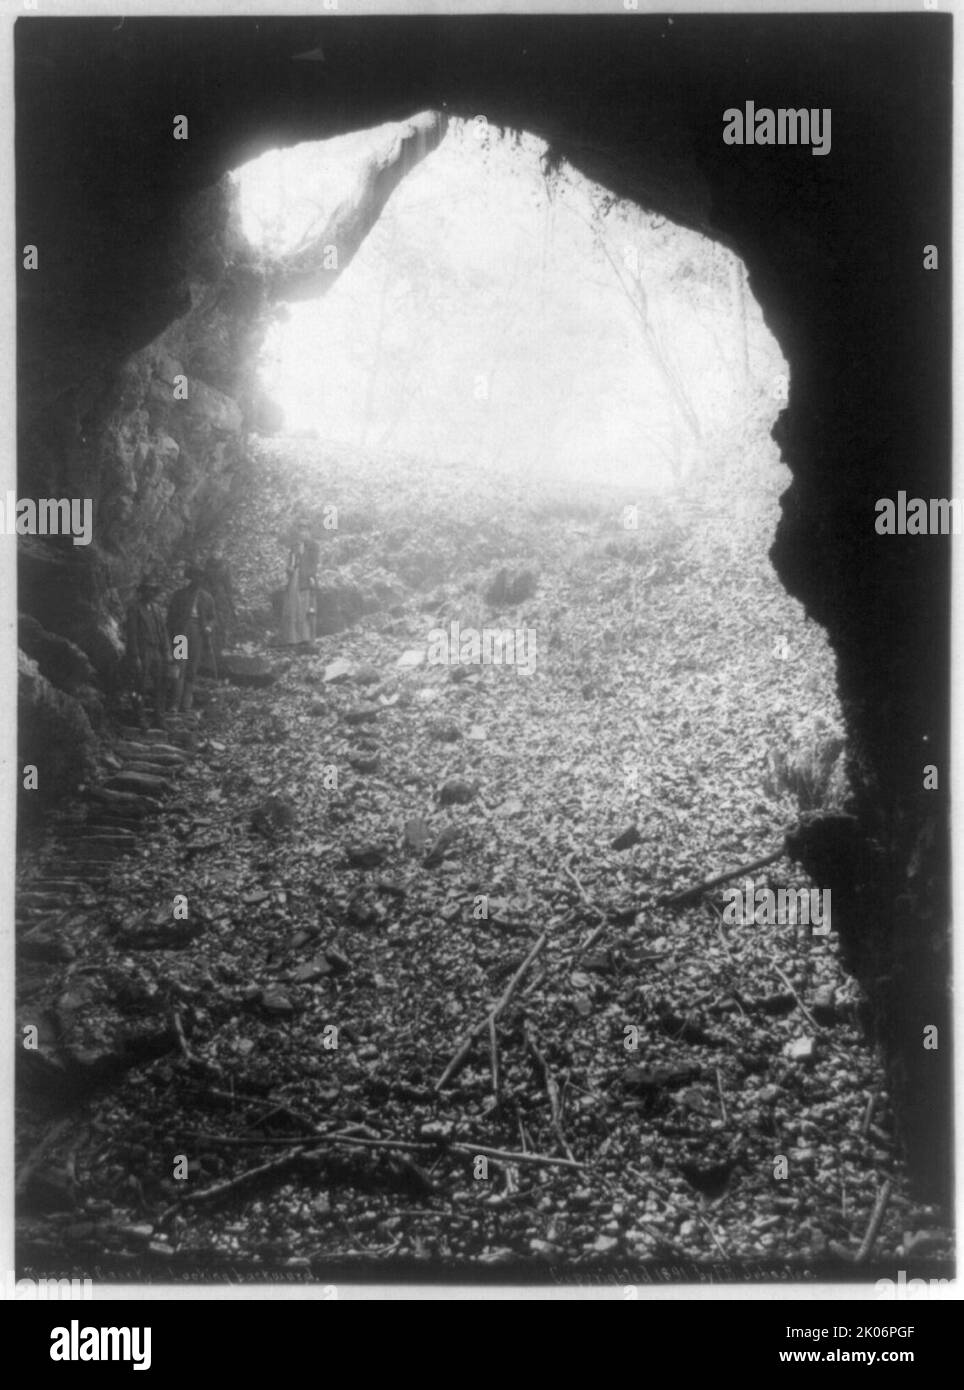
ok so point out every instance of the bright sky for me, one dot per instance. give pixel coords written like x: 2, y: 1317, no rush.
x: 480, y: 318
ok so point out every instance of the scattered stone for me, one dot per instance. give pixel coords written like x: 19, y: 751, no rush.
x: 337, y: 671
x: 337, y: 606
x: 645, y: 1081
x: 416, y: 833
x: 599, y: 962
x: 273, y: 816
x: 162, y: 932
x: 253, y: 672
x: 363, y: 762
x: 687, y: 1031
x: 801, y: 1050
x: 446, y: 841
x: 510, y: 587
x: 275, y: 1001
x: 477, y: 734
x: 446, y: 731
x: 512, y: 807
x: 456, y: 792
x: 366, y: 856
x: 313, y: 970
x: 317, y: 708
x: 339, y: 962
x: 361, y: 714
x: 366, y: 674
x: 415, y: 656
x: 628, y: 838
x: 542, y: 1247
x: 461, y: 673
x: 395, y: 890
x: 602, y: 1245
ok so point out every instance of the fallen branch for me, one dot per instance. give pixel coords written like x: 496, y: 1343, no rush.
x: 800, y: 1004
x: 494, y: 1056
x: 506, y: 1156
x: 697, y: 889
x: 552, y: 1089
x: 593, y: 937
x: 582, y: 892
x: 186, y: 1052
x: 466, y: 1045
x: 230, y: 1185
x: 312, y: 1146
x: 873, y: 1226
x: 719, y: 1089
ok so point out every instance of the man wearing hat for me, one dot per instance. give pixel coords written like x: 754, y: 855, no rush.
x: 190, y: 621
x: 147, y: 650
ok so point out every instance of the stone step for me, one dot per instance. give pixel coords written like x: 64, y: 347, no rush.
x: 163, y: 753
x: 110, y: 821
x: 126, y: 842
x: 140, y: 783
x: 34, y: 898
x: 150, y: 769
x: 94, y: 854
x: 109, y: 827
x: 127, y: 802
x: 54, y: 885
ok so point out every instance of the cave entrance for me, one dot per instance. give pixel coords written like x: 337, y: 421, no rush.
x: 518, y: 371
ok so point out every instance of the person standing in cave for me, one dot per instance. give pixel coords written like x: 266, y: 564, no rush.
x: 190, y: 622
x: 308, y: 583
x: 294, y: 622
x: 146, y: 654
x: 218, y: 583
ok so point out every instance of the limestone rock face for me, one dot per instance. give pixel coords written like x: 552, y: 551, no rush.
x: 54, y: 734
x: 60, y: 660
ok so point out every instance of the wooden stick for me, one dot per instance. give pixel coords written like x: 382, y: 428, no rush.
x: 582, y: 892
x: 800, y: 1004
x: 469, y: 1039
x: 873, y: 1226
x: 593, y: 937
x: 224, y: 1189
x: 181, y: 1039
x: 719, y: 1088
x: 552, y: 1089
x: 690, y: 894
x: 310, y: 1145
x: 505, y: 1156
x: 713, y: 1235
x: 494, y: 1056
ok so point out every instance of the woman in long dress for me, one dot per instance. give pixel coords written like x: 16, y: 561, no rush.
x: 294, y: 623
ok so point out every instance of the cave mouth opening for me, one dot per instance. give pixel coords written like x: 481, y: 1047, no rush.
x: 511, y: 339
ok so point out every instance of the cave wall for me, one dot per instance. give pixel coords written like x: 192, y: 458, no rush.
x: 130, y: 288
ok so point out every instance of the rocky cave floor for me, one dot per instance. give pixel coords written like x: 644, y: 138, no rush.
x: 376, y: 848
